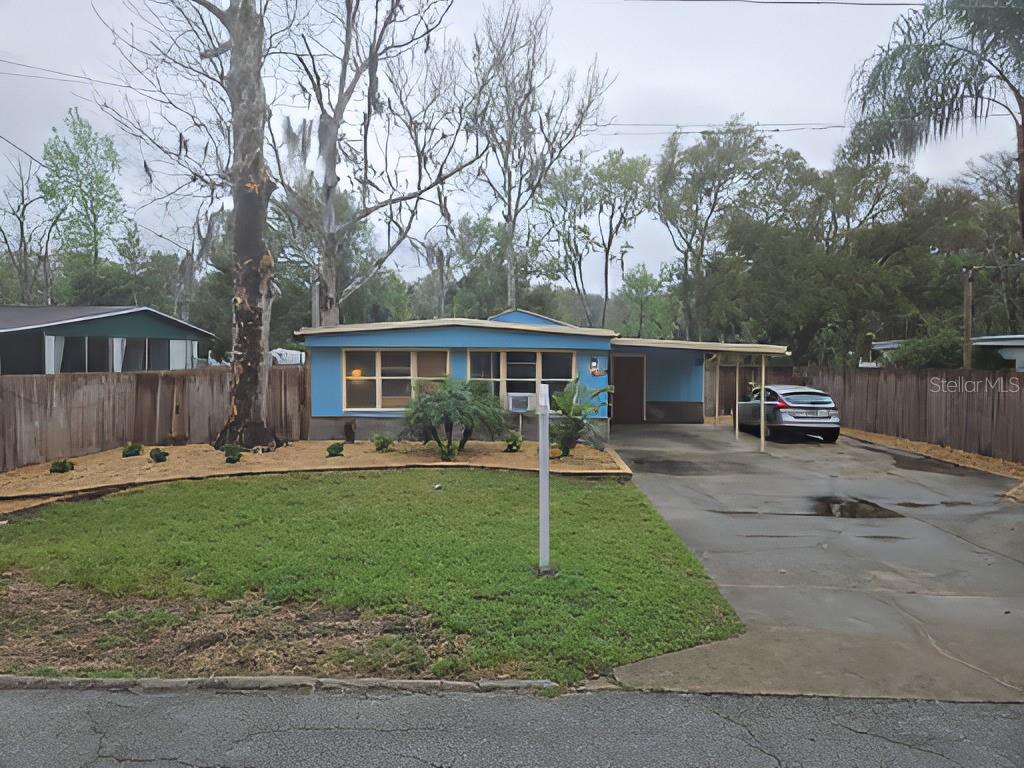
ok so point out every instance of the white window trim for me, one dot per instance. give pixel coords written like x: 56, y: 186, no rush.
x: 503, y: 367
x: 379, y: 378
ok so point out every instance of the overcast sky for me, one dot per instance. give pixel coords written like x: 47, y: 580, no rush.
x: 674, y: 63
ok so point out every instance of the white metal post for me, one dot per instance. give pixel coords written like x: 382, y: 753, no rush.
x: 543, y: 459
x: 736, y: 406
x: 763, y: 428
x: 718, y: 388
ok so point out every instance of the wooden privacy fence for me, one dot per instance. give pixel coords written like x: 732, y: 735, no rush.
x: 977, y: 411
x: 749, y: 374
x: 45, y: 417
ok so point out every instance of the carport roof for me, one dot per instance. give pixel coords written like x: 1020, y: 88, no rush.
x: 706, y: 346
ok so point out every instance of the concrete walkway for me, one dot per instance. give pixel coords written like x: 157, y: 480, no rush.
x: 928, y: 603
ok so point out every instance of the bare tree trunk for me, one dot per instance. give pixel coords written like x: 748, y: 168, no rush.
x: 253, y: 262
x: 1020, y: 170
x: 510, y: 262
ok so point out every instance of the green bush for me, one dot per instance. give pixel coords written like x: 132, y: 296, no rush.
x: 335, y: 449
x: 943, y: 349
x: 232, y: 453
x: 60, y: 466
x: 574, y: 405
x: 157, y: 455
x: 435, y: 412
x: 383, y: 443
x: 132, y: 449
x: 513, y: 442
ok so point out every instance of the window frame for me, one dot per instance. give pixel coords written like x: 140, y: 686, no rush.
x: 502, y: 377
x: 379, y: 378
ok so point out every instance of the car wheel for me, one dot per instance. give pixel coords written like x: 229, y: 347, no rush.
x: 830, y: 435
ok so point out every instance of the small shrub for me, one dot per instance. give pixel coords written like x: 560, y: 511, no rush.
x: 335, y: 449
x: 383, y: 443
x: 513, y: 442
x: 436, y: 410
x: 132, y: 449
x: 232, y: 453
x: 60, y: 466
x: 158, y: 455
x: 574, y: 404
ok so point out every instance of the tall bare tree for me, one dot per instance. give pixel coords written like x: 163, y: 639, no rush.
x: 392, y: 110
x: 27, y: 230
x: 533, y: 117
x: 200, y: 67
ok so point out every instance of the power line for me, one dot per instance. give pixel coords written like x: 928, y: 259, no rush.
x: 85, y: 78
x: 29, y: 155
x: 856, y: 3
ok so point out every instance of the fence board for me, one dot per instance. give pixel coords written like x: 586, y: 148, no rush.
x: 45, y: 417
x: 977, y: 411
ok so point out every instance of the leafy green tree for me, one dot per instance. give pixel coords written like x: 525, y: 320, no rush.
x: 945, y: 65
x: 648, y: 307
x: 588, y: 208
x: 80, y: 185
x: 693, y: 190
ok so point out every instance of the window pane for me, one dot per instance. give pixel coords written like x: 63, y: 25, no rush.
x: 521, y: 387
x: 484, y: 365
x: 556, y: 365
x: 521, y: 371
x: 360, y: 393
x: 360, y: 365
x: 395, y: 364
x: 556, y: 386
x: 521, y: 365
x: 431, y: 365
x: 395, y: 393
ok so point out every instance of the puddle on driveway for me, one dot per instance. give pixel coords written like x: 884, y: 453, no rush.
x: 836, y: 506
x: 680, y: 467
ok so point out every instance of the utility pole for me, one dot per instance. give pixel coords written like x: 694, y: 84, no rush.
x: 968, y: 314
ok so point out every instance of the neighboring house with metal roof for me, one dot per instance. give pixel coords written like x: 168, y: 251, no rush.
x: 50, y: 339
x: 1009, y: 347
x: 362, y: 374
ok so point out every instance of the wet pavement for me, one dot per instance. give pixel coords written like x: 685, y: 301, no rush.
x: 859, y: 571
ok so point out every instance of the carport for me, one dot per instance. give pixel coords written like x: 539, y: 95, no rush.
x: 661, y: 381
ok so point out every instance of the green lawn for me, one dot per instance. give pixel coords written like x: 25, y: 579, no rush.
x: 386, y: 543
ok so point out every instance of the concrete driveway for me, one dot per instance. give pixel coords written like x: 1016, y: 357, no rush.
x: 927, y: 602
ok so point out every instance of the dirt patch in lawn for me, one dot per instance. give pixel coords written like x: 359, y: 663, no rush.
x: 65, y: 630
x: 109, y: 471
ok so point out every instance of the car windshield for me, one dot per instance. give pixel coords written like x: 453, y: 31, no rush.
x: 808, y: 398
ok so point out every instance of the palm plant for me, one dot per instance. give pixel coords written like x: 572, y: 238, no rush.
x: 575, y: 405
x: 945, y: 65
x: 436, y: 410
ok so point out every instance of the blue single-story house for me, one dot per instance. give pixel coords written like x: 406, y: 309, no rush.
x: 361, y: 375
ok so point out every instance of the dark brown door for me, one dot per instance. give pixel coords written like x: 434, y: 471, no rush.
x: 628, y: 398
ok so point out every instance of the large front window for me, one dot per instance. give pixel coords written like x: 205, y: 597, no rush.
x: 522, y: 372
x: 383, y: 379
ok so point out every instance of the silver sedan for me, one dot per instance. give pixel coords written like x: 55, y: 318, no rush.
x: 790, y: 408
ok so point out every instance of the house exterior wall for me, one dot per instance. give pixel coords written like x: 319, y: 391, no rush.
x: 329, y: 416
x: 675, y: 385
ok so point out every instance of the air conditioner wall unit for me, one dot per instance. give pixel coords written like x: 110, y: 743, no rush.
x: 521, y: 402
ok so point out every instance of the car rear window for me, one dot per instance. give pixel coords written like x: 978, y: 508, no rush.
x: 808, y: 398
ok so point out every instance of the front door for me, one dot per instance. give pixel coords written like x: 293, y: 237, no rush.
x: 628, y: 397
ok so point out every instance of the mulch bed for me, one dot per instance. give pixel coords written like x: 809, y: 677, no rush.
x: 31, y: 486
x: 48, y: 630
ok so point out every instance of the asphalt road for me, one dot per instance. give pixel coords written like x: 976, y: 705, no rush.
x: 196, y: 729
x: 925, y: 602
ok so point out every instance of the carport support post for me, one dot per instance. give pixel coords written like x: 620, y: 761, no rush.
x: 736, y: 405
x: 543, y: 461
x: 718, y: 389
x: 762, y: 403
